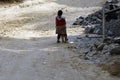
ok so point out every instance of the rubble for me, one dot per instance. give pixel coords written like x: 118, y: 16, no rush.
x: 116, y: 40
x: 92, y: 47
x: 96, y: 50
x: 115, y: 51
x: 112, y: 23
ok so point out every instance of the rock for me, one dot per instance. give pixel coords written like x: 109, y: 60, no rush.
x: 100, y: 47
x: 89, y: 29
x: 107, y: 40
x: 96, y: 45
x: 75, y: 23
x: 116, y: 40
x: 115, y: 51
x: 86, y: 58
x: 79, y: 21
x: 86, y: 52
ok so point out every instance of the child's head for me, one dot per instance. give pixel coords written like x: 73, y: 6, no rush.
x: 60, y: 13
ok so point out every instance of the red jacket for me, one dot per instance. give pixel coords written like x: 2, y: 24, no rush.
x: 60, y: 21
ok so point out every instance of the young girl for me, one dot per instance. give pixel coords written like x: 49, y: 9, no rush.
x: 61, y: 27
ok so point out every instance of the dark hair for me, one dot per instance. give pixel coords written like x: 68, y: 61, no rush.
x: 60, y: 13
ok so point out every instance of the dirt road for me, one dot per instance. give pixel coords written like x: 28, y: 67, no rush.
x: 28, y: 48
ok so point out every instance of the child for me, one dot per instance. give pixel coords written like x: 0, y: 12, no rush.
x: 61, y: 27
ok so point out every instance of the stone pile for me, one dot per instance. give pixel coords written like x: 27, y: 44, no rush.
x: 95, y: 50
x: 103, y: 52
x: 94, y: 21
x: 113, y: 28
x: 91, y: 46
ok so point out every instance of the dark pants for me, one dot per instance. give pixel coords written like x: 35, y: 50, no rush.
x: 62, y: 35
x: 58, y: 37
